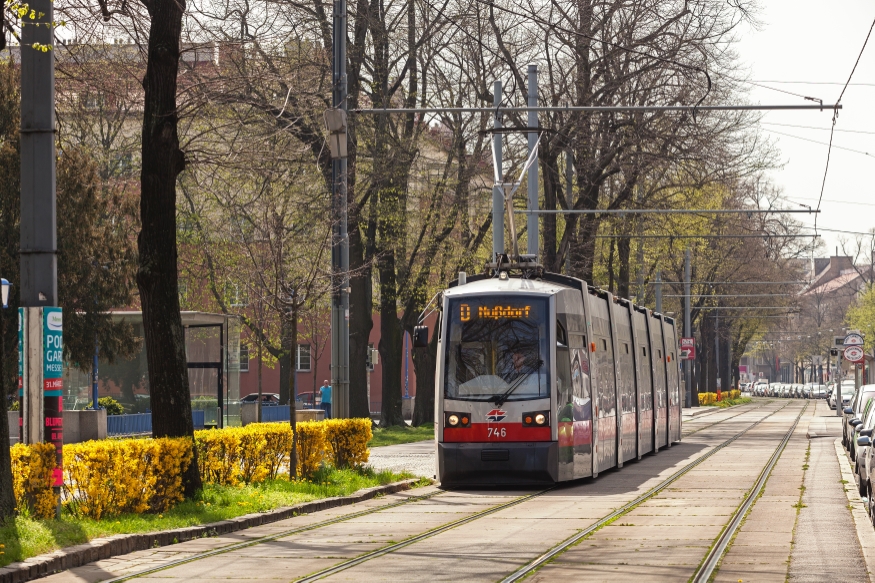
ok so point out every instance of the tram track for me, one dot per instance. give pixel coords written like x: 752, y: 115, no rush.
x: 609, y: 518
x: 712, y: 560
x: 419, y: 537
x: 569, y: 542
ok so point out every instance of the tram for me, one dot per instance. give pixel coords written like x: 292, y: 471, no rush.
x: 542, y: 378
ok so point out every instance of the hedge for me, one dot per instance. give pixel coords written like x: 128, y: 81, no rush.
x: 711, y: 398
x: 108, y: 477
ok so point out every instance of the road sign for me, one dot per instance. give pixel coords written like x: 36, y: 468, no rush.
x: 854, y: 354
x: 853, y: 339
x: 688, y: 349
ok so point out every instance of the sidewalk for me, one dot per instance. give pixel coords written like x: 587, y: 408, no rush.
x: 418, y: 458
x: 827, y: 540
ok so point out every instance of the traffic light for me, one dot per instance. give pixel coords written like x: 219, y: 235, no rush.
x: 833, y: 351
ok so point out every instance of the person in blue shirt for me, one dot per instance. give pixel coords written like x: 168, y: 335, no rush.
x: 325, y: 393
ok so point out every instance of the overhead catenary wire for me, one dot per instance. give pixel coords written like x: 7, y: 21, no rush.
x: 835, y: 116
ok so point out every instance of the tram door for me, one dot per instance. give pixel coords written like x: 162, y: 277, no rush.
x: 575, y: 409
x: 605, y: 392
x: 645, y: 387
x: 660, y: 398
x: 674, y: 396
x: 626, y: 386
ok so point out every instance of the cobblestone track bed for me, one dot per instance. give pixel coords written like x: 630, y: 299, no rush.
x: 317, y: 546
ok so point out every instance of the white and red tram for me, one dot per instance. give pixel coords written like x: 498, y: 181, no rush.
x: 546, y: 379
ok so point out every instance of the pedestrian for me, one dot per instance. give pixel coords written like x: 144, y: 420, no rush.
x: 325, y: 393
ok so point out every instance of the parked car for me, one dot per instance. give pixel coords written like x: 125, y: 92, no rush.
x: 306, y: 400
x: 854, y: 415
x: 862, y: 468
x: 266, y: 399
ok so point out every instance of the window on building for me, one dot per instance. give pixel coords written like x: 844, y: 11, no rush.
x: 303, y: 360
x: 244, y: 357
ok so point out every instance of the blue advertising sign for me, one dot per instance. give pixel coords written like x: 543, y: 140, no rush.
x: 53, y: 384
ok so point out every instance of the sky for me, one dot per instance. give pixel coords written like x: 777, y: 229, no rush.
x: 810, y: 48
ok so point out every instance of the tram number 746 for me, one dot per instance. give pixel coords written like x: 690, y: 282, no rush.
x: 495, y: 432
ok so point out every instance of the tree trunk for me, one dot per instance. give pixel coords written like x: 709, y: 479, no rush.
x: 287, y: 362
x: 360, y: 324
x: 260, y: 363
x: 162, y: 161
x: 424, y: 360
x: 552, y: 190
x: 7, y: 499
x: 293, y: 391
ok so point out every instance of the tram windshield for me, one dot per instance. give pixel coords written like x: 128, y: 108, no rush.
x: 497, y: 348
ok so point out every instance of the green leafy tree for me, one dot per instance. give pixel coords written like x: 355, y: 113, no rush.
x: 862, y: 317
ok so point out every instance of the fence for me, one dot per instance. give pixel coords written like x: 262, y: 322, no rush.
x: 140, y: 423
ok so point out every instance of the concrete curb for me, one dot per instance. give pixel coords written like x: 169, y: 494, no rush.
x: 865, y: 532
x: 122, y: 544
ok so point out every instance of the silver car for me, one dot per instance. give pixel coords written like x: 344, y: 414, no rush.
x: 862, y: 467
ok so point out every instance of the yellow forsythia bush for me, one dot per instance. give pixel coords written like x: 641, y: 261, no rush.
x: 348, y: 441
x: 107, y: 477
x: 32, y: 467
x: 707, y: 398
x: 249, y: 454
x: 311, y: 446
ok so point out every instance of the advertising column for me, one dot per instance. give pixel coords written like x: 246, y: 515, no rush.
x: 53, y: 385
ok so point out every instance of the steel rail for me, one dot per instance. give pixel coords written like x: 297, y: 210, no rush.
x: 712, y: 559
x: 524, y: 571
x: 414, y: 539
x: 268, y: 538
x: 332, y: 521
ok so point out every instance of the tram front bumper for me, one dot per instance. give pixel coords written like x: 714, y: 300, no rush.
x: 498, y: 464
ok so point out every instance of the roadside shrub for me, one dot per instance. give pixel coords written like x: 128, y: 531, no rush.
x: 311, y: 446
x: 348, y: 441
x: 112, y: 406
x: 32, y: 467
x: 249, y: 454
x: 108, y: 477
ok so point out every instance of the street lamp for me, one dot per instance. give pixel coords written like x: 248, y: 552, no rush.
x: 5, y: 291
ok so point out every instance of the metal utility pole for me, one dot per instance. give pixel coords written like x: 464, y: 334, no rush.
x: 340, y: 241
x: 717, y: 366
x: 657, y: 290
x: 532, y: 219
x: 40, y: 323
x: 569, y: 178
x: 688, y: 331
x: 497, y: 190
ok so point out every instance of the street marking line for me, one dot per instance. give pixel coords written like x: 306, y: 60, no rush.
x: 571, y: 541
x: 709, y: 564
x: 268, y: 538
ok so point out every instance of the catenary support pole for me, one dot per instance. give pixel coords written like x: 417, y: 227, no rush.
x: 43, y: 392
x: 497, y: 190
x: 569, y: 189
x: 657, y: 290
x: 532, y: 219
x: 340, y: 242
x: 688, y: 332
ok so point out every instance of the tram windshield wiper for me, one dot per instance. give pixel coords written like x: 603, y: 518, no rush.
x: 500, y: 399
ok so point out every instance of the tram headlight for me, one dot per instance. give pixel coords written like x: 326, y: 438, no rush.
x: 536, y: 419
x: 456, y: 419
